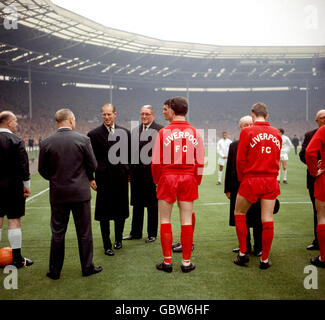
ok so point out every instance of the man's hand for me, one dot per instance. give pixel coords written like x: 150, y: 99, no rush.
x: 93, y: 185
x: 27, y: 192
x: 319, y: 172
x: 319, y: 164
x: 227, y: 195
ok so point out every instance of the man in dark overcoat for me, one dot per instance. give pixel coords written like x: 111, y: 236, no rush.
x: 320, y: 120
x: 111, y: 144
x: 143, y: 189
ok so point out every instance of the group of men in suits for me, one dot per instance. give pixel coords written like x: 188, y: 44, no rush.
x: 101, y: 160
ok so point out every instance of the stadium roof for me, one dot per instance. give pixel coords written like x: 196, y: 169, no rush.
x: 54, y: 40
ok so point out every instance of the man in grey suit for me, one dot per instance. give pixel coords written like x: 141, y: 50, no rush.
x: 67, y: 160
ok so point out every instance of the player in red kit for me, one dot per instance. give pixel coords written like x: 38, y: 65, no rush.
x: 316, y: 169
x: 177, y: 167
x: 258, y: 160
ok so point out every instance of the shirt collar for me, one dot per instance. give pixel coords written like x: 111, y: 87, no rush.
x: 5, y: 130
x: 112, y: 128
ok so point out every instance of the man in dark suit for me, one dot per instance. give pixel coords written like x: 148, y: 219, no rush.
x: 253, y: 218
x: 320, y: 120
x: 111, y: 144
x: 14, y: 184
x: 143, y: 190
x: 67, y: 160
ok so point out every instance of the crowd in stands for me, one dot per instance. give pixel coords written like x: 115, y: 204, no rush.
x: 219, y: 111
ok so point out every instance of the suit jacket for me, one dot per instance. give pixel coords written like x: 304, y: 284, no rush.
x: 14, y: 167
x: 67, y: 160
x: 113, y: 152
x: 307, y: 138
x: 143, y: 189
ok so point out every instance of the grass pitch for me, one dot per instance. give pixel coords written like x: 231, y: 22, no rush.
x: 131, y: 273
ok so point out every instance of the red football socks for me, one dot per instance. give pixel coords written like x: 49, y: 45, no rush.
x: 241, y: 230
x: 193, y: 220
x: 187, y: 241
x: 267, y: 238
x: 321, y: 240
x: 166, y: 239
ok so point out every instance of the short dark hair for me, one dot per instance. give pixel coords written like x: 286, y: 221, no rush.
x: 281, y: 130
x: 179, y: 105
x: 167, y: 103
x: 260, y: 109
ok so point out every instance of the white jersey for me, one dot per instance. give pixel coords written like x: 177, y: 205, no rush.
x: 223, y: 147
x: 286, y: 145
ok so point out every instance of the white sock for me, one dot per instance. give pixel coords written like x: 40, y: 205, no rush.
x: 285, y: 175
x: 265, y: 261
x: 279, y: 176
x: 241, y: 254
x: 219, y: 176
x: 186, y: 264
x: 15, y: 238
x: 320, y: 259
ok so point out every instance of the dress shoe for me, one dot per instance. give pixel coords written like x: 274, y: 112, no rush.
x: 94, y: 270
x: 117, y: 245
x: 176, y: 244
x: 22, y: 263
x: 52, y: 276
x: 218, y: 183
x: 265, y: 265
x: 236, y: 250
x: 164, y: 267
x: 150, y: 239
x: 313, y: 247
x: 180, y: 248
x: 109, y: 252
x: 130, y: 237
x: 241, y: 260
x: 285, y: 181
x: 316, y: 262
x: 189, y: 268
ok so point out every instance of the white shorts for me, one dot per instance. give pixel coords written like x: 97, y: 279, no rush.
x: 284, y: 156
x: 222, y: 162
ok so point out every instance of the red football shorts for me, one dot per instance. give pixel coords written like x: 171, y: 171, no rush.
x: 174, y: 187
x: 319, y: 188
x: 254, y: 188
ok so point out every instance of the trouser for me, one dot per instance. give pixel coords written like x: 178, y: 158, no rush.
x: 312, y: 198
x: 105, y: 231
x: 137, y: 221
x: 60, y: 214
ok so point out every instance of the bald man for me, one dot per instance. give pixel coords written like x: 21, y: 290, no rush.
x: 320, y: 120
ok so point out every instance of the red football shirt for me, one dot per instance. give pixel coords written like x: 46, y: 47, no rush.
x: 258, y: 151
x: 178, y: 149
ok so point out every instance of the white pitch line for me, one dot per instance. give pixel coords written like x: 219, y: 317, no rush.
x: 38, y: 194
x: 224, y: 203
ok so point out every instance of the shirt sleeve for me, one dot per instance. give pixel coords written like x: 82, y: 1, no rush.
x: 314, y: 146
x: 242, y: 151
x: 156, y: 159
x: 199, y: 159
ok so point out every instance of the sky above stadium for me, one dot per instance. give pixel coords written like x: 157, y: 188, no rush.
x: 228, y: 22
